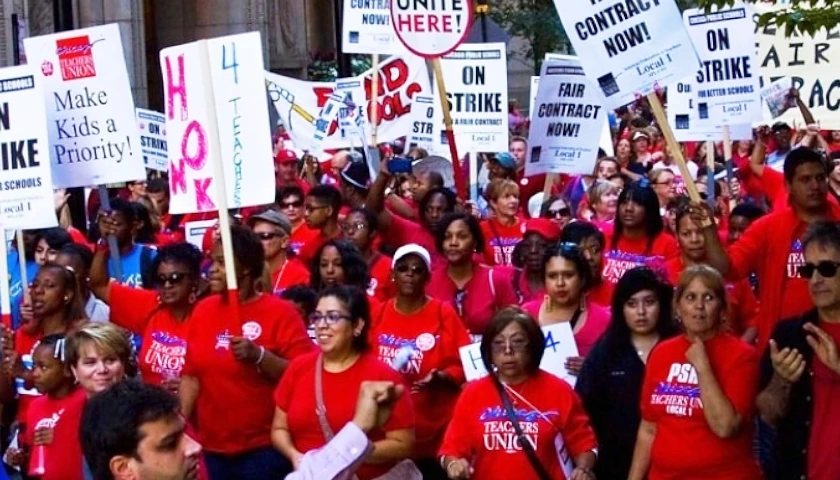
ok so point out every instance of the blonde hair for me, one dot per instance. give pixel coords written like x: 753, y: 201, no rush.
x: 499, y: 187
x: 654, y: 174
x: 710, y: 277
x: 108, y: 339
x: 598, y: 190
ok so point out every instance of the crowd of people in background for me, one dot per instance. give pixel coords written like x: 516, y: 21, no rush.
x: 707, y: 332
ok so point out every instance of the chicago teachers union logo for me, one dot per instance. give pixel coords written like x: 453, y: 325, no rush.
x: 75, y: 57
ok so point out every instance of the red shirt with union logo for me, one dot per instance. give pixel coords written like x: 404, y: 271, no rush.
x: 500, y: 240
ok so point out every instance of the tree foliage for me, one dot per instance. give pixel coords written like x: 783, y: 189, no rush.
x: 802, y: 16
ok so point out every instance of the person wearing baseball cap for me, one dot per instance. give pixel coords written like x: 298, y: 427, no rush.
x: 420, y: 337
x: 528, y: 278
x: 274, y: 231
x: 354, y: 181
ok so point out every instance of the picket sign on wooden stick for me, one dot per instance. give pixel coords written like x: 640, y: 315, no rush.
x: 5, y: 295
x: 727, y: 158
x: 450, y: 135
x: 374, y: 95
x: 113, y: 246
x: 673, y: 146
x: 710, y: 173
x: 550, y: 180
x: 21, y: 249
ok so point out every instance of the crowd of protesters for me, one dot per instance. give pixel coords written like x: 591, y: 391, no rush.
x: 707, y: 332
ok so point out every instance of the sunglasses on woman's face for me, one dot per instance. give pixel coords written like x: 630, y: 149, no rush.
x: 406, y: 267
x: 561, y: 212
x: 172, y: 279
x: 827, y: 269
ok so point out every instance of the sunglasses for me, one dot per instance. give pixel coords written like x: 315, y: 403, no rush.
x: 331, y: 318
x: 563, y: 212
x: 296, y: 204
x: 269, y: 235
x: 827, y: 269
x: 172, y: 279
x: 405, y: 268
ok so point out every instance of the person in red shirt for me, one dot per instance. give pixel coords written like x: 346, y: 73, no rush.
x: 638, y: 238
x: 698, y: 396
x: 339, y: 262
x: 475, y: 290
x: 772, y: 245
x: 742, y: 306
x: 320, y: 209
x: 483, y: 439
x: 290, y: 202
x: 529, y: 258
x: 361, y: 226
x: 286, y: 172
x: 171, y: 225
x: 311, y: 400
x: 420, y: 337
x: 274, y: 231
x: 590, y: 241
x: 234, y: 362
x: 505, y: 228
x: 162, y: 317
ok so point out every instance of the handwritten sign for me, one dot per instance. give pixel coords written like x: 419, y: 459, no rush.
x: 93, y: 135
x: 776, y: 97
x: 431, y: 29
x: 559, y: 346
x: 152, y: 127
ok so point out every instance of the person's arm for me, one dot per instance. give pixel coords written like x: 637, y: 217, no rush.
x: 282, y: 439
x: 759, y: 154
x: 400, y: 207
x: 785, y: 367
x: 641, y: 453
x: 100, y: 281
x: 803, y: 108
x: 720, y: 414
x: 272, y: 366
x: 376, y: 197
x: 397, y: 445
x: 716, y: 255
x: 188, y: 394
x: 337, y: 460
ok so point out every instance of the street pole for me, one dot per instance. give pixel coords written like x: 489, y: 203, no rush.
x: 342, y: 61
x: 482, y: 9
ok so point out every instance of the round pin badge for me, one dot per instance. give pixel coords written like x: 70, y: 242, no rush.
x: 425, y: 342
x: 251, y: 330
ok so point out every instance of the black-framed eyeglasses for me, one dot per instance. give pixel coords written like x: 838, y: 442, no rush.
x: 295, y: 204
x: 353, y: 227
x: 266, y: 236
x: 516, y: 345
x: 826, y: 268
x: 406, y: 267
x: 562, y: 212
x: 172, y: 278
x: 331, y: 318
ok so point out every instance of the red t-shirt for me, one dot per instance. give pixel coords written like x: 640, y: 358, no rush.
x: 310, y: 249
x: 633, y: 252
x: 301, y: 235
x: 62, y: 457
x: 434, y: 334
x: 500, y: 240
x: 549, y: 412
x: 795, y: 287
x: 164, y: 346
x: 296, y: 397
x: 403, y: 231
x: 381, y: 286
x: 234, y: 410
x: 601, y: 294
x: 684, y: 446
x: 292, y: 273
x: 478, y: 301
x: 823, y: 461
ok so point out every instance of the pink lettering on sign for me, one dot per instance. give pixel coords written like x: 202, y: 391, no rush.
x: 173, y: 89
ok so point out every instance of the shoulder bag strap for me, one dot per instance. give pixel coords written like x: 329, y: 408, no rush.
x: 320, y: 409
x: 523, y: 440
x: 575, y: 317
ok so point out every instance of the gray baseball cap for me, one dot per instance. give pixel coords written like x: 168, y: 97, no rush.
x: 273, y: 217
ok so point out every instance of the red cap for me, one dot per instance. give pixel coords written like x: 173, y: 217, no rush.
x: 285, y: 155
x: 544, y: 228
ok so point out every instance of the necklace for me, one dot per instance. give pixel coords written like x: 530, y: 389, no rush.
x: 280, y: 275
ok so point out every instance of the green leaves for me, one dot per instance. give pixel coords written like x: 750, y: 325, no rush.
x: 801, y: 17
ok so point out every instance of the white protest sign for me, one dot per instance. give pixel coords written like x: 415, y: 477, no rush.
x: 93, y: 136
x: 776, y: 97
x: 627, y: 47
x: 682, y: 117
x: 559, y: 346
x: 152, y: 127
x: 431, y: 29
x: 424, y: 131
x: 727, y: 87
x: 26, y: 195
x: 299, y: 103
x: 352, y: 116
x: 811, y: 62
x: 567, y: 122
x: 476, y: 86
x: 366, y: 28
x: 215, y: 88
x: 194, y: 231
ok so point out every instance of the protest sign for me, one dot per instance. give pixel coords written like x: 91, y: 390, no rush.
x: 366, y: 28
x: 476, y: 87
x: 425, y: 131
x: 683, y: 118
x: 559, y: 346
x: 810, y: 61
x: 194, y: 231
x: 727, y: 86
x: 26, y: 195
x: 152, y: 127
x: 431, y: 29
x: 299, y: 103
x: 777, y: 97
x: 93, y: 136
x: 627, y: 46
x: 567, y: 122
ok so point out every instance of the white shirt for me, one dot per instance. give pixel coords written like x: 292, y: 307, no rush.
x: 97, y: 310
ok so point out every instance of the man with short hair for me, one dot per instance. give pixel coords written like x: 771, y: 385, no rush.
x: 518, y: 147
x: 320, y: 209
x: 274, y: 230
x: 800, y: 371
x: 134, y: 431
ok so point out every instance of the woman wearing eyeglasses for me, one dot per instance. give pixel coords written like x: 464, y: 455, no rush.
x: 237, y: 354
x: 361, y: 227
x: 699, y: 391
x: 311, y: 400
x: 663, y: 181
x: 519, y: 421
x: 420, y: 337
x: 162, y: 317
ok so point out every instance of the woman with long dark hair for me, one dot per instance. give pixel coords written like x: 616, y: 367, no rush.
x: 610, y: 381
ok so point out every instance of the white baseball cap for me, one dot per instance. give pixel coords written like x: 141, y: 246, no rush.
x: 412, y: 249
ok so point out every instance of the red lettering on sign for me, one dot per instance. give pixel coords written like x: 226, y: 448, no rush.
x: 173, y: 89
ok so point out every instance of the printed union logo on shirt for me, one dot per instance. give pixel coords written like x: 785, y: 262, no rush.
x: 75, y: 56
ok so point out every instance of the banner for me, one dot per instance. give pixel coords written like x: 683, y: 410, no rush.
x: 216, y: 111
x: 567, y: 122
x: 152, y: 127
x: 727, y: 88
x: 559, y: 346
x: 299, y: 103
x: 628, y: 47
x: 777, y: 97
x: 811, y: 62
x: 475, y: 75
x: 26, y: 194
x: 93, y: 136
x: 366, y: 28
x: 682, y: 117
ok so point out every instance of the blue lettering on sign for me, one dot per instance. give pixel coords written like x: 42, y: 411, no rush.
x: 237, y: 153
x: 480, y: 364
x: 550, y: 343
x: 233, y: 65
x: 376, y: 19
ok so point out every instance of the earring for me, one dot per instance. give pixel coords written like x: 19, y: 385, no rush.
x: 158, y: 299
x: 547, y: 300
x: 192, y: 298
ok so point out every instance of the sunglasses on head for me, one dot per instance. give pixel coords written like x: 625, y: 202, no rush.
x: 172, y: 279
x: 827, y: 269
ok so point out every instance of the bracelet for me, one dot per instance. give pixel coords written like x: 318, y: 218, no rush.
x: 262, y: 355
x: 450, y: 464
